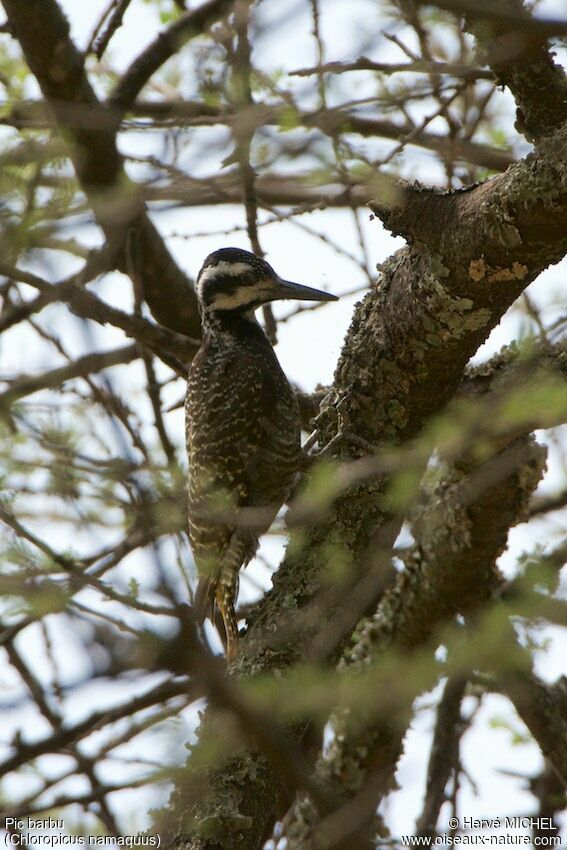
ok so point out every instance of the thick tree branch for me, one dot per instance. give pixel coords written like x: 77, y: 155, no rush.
x: 517, y: 51
x: 43, y: 33
x: 510, y: 209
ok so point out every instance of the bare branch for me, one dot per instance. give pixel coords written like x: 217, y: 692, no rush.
x: 114, y: 23
x: 61, y: 739
x: 542, y: 707
x: 453, y: 69
x: 192, y: 113
x: 173, y: 348
x: 25, y: 385
x: 503, y: 13
x: 43, y: 33
x: 167, y: 43
x: 444, y: 755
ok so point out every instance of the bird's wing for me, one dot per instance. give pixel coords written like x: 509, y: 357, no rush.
x: 242, y: 441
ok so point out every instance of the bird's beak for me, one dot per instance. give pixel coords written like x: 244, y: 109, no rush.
x: 286, y: 289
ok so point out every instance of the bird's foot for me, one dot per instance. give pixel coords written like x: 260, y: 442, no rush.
x: 344, y: 436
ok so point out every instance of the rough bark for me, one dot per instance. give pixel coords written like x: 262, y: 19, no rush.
x: 520, y: 59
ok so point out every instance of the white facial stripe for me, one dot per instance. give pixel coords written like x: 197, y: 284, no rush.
x: 221, y: 269
x: 244, y: 295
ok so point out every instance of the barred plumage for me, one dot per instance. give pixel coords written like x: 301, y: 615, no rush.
x: 242, y: 425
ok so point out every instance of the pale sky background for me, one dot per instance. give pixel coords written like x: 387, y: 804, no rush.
x: 308, y: 350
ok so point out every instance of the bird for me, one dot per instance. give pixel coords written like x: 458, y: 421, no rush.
x: 243, y: 428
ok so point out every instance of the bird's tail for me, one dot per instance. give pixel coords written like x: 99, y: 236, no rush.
x: 219, y: 589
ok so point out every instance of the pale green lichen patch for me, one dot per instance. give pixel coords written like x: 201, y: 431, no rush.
x: 451, y: 317
x: 445, y: 522
x: 540, y: 178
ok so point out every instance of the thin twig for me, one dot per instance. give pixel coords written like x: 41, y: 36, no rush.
x: 113, y: 25
x: 419, y: 66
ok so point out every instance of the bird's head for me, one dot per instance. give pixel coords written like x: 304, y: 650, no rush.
x: 237, y: 281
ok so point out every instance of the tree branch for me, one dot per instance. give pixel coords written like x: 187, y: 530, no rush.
x: 164, y: 46
x: 504, y: 13
x: 31, y: 114
x: 444, y: 755
x: 420, y: 66
x: 173, y: 348
x: 515, y: 47
x: 542, y: 707
x: 67, y: 735
x: 25, y: 385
